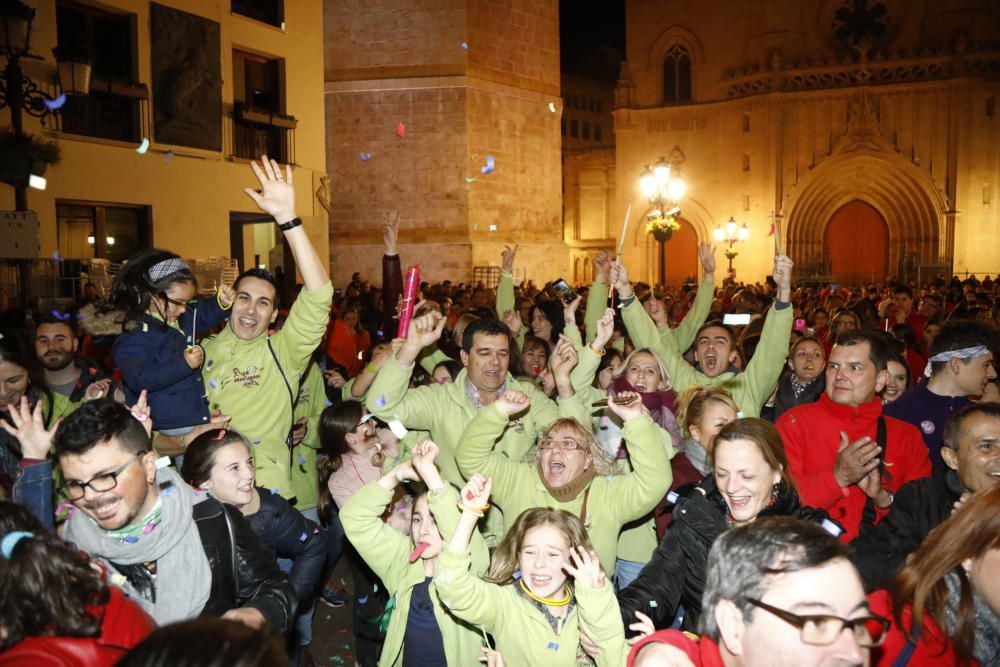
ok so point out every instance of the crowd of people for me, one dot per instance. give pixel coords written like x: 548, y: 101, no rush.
x: 615, y: 476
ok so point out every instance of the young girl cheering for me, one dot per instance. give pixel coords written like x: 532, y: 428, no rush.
x: 546, y: 585
x: 421, y: 632
x: 158, y: 350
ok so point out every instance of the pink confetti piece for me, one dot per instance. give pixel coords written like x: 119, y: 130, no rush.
x: 400, y: 130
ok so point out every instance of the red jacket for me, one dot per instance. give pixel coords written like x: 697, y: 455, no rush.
x: 811, y: 434
x: 933, y: 649
x: 125, y: 624
x: 702, y: 651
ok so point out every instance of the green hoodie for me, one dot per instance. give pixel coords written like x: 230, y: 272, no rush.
x: 523, y: 635
x: 387, y: 552
x: 445, y: 410
x: 751, y: 387
x: 611, y: 501
x: 310, y: 403
x: 243, y: 381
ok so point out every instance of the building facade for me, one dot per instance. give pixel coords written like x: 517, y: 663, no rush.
x: 183, y: 94
x: 449, y: 113
x: 868, y: 127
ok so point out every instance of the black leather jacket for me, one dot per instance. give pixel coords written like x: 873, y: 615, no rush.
x: 244, y: 573
x: 675, y: 575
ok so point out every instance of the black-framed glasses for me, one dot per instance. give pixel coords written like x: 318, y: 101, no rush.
x: 823, y: 629
x: 75, y: 489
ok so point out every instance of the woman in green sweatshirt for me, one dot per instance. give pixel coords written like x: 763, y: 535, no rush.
x: 420, y: 626
x: 572, y: 472
x: 546, y: 587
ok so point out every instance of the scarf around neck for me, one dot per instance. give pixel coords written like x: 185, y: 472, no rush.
x: 570, y: 490
x: 661, y: 405
x: 986, y: 645
x: 183, y: 576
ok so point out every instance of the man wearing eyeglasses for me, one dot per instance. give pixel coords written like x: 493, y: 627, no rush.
x: 779, y: 593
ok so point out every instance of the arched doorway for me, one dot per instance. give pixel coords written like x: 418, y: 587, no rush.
x: 857, y: 244
x: 681, y: 254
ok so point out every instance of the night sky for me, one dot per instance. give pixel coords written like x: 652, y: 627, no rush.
x: 593, y: 37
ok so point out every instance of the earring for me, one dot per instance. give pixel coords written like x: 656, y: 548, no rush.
x: 775, y: 491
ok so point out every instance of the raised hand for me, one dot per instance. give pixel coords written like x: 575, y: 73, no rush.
x: 602, y: 265
x: 194, y: 356
x: 476, y: 492
x: 508, y: 256
x: 618, y: 277
x: 855, y: 459
x: 783, y: 276
x: 605, y: 330
x: 142, y: 412
x: 630, y: 410
x: 569, y: 310
x: 227, y: 295
x: 423, y: 456
x: 96, y: 390
x: 512, y: 319
x: 644, y: 627
x: 512, y: 402
x: 299, y: 429
x: 585, y: 568
x: 564, y: 359
x: 424, y: 330
x: 277, y: 194
x: 390, y: 232
x: 28, y: 428
x: 706, y: 253
x: 334, y: 379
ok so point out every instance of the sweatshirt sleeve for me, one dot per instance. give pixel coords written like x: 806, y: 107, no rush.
x: 663, y: 342
x: 601, y: 619
x: 638, y: 492
x: 475, y: 455
x: 303, y: 329
x: 390, y: 395
x: 210, y: 315
x: 688, y: 328
x: 384, y: 549
x: 444, y: 507
x: 597, y: 303
x: 505, y: 294
x: 301, y: 540
x: 761, y: 374
x: 468, y: 597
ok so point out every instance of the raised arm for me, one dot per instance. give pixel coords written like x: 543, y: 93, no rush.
x: 761, y: 374
x: 638, y: 492
x: 685, y: 332
x: 597, y: 297
x: 505, y: 288
x: 392, y: 274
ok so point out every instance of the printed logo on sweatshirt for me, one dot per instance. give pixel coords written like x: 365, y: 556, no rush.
x: 248, y: 378
x: 927, y: 426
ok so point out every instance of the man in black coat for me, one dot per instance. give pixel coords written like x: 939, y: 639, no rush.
x: 972, y: 454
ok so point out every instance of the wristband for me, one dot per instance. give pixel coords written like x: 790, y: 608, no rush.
x: 291, y: 224
x: 627, y: 301
x: 371, y: 369
x: 600, y: 352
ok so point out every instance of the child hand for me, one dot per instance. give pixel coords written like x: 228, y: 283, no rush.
x: 141, y: 412
x: 644, y: 627
x: 29, y: 429
x: 423, y: 457
x: 630, y: 410
x: 334, y: 379
x: 96, y: 390
x: 227, y: 296
x: 512, y: 402
x: 585, y: 568
x: 405, y: 472
x: 194, y: 356
x: 476, y: 492
x: 491, y: 657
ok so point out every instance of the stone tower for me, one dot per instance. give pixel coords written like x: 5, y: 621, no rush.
x: 418, y: 96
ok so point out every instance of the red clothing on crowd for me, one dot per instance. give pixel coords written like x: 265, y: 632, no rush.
x: 703, y: 652
x: 914, y: 319
x: 811, y: 434
x: 933, y: 649
x: 342, y: 346
x: 917, y: 364
x: 684, y: 473
x: 124, y: 625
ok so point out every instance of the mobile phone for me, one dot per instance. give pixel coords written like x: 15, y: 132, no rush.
x: 800, y: 324
x: 563, y: 289
x: 736, y: 320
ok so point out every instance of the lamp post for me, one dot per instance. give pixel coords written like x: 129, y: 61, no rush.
x: 663, y: 187
x: 731, y: 235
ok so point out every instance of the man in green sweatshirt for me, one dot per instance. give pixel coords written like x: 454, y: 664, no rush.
x: 254, y: 377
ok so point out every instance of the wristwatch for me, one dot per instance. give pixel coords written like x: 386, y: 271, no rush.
x: 891, y: 497
x: 291, y: 224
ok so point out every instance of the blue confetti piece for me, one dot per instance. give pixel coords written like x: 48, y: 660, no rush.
x: 209, y: 363
x: 213, y: 384
x: 56, y: 256
x: 274, y: 492
x: 517, y: 574
x: 60, y: 316
x: 255, y: 442
x: 80, y: 316
x: 363, y: 600
x: 365, y: 156
x: 380, y: 402
x: 465, y: 46
x: 672, y: 497
x: 489, y: 165
x: 168, y: 156
x: 168, y: 490
x: 652, y: 604
x: 130, y: 539
x: 554, y: 646
x: 303, y: 537
x: 493, y: 228
x: 327, y: 403
x: 57, y: 103
x: 302, y: 460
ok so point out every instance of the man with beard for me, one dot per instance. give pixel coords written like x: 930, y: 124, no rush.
x: 75, y: 377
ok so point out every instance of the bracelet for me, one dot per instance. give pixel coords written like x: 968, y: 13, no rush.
x: 627, y: 301
x: 478, y: 511
x: 371, y: 368
x: 291, y: 224
x: 435, y: 492
x: 600, y: 352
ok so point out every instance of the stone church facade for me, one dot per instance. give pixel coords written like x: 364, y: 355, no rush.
x: 869, y: 128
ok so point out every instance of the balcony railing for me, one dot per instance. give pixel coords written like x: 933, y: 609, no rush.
x: 112, y: 110
x: 252, y: 133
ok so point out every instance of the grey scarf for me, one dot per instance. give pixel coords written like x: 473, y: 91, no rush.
x: 986, y: 647
x: 696, y: 455
x: 183, y: 576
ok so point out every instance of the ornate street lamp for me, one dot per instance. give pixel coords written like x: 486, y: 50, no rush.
x: 731, y: 235
x: 663, y: 187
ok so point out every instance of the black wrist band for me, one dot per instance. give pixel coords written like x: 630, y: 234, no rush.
x: 291, y: 224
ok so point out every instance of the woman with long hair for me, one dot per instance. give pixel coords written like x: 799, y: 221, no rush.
x: 56, y: 608
x: 945, y: 603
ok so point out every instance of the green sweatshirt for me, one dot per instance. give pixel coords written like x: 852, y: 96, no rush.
x: 523, y: 635
x: 612, y: 501
x: 387, y: 552
x: 506, y: 301
x: 310, y: 403
x: 444, y: 410
x: 750, y: 388
x: 243, y: 381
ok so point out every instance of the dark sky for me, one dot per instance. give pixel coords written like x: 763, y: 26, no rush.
x: 592, y: 33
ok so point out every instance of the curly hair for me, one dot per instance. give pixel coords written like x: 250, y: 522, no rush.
x: 506, y: 557
x: 604, y: 465
x: 47, y: 587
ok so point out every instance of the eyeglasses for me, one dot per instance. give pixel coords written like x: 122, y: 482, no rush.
x: 567, y: 444
x: 364, y: 420
x: 75, y: 490
x: 823, y: 629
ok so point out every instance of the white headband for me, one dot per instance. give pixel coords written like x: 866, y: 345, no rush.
x: 964, y: 353
x: 165, y: 268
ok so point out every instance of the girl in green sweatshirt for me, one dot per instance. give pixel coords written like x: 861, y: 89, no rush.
x: 546, y: 587
x: 421, y: 630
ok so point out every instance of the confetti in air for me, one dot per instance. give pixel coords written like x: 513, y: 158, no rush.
x: 143, y: 147
x: 57, y: 103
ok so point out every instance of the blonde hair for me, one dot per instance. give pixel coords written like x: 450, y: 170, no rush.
x: 664, y: 374
x: 506, y: 557
x: 603, y: 463
x: 694, y: 403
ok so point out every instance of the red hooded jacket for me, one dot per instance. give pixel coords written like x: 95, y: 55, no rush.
x: 811, y: 434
